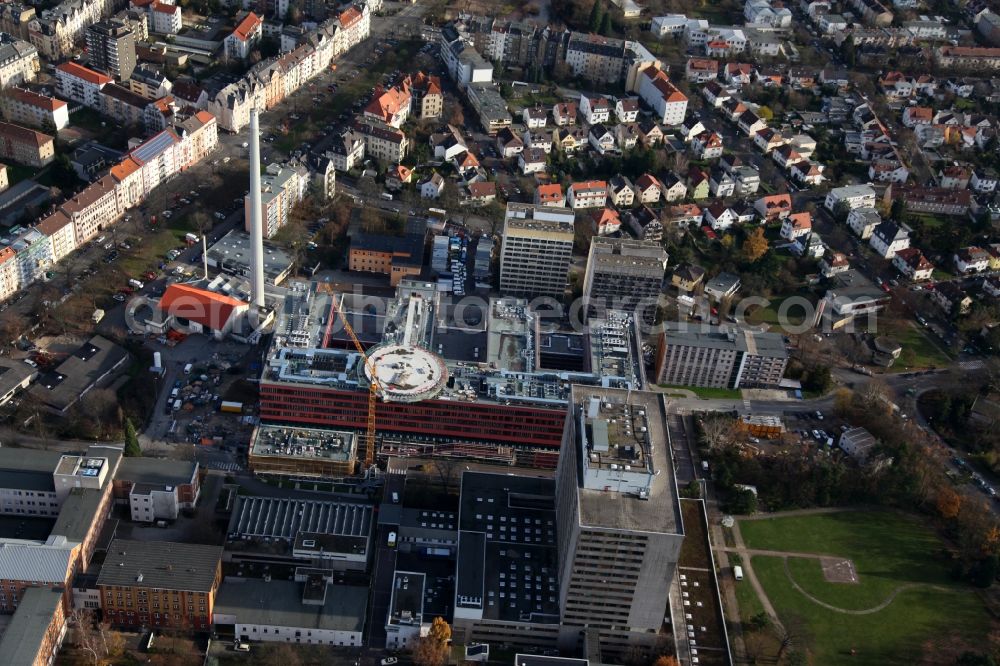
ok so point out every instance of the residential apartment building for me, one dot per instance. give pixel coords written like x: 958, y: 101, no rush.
x: 427, y: 96
x: 158, y: 584
x: 79, y: 84
x: 853, y: 196
x: 616, y: 566
x: 37, y: 629
x: 282, y: 188
x: 111, y: 48
x: 61, y: 232
x: 55, y: 31
x: 863, y: 221
x: 383, y: 143
x: 596, y: 58
x: 391, y: 107
x: 156, y: 488
x: 18, y: 61
x: 244, y: 37
x: 715, y: 357
x: 656, y: 90
x: 164, y: 18
x: 536, y: 251
x: 26, y: 146
x: 27, y: 107
x: 587, y: 194
x: 967, y: 57
x: 624, y: 275
x: 93, y: 210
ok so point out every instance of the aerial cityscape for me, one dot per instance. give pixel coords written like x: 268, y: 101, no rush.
x: 534, y: 333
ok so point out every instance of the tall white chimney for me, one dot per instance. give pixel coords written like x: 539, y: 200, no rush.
x: 256, y: 218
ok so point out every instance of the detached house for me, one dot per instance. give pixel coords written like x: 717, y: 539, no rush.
x: 697, y: 181
x: 719, y: 216
x: 786, y: 156
x: 889, y: 238
x: 601, y: 139
x: 700, y: 70
x: 750, y: 123
x: 627, y: 109
x: 605, y: 220
x: 773, y: 207
x: 508, y: 143
x: 971, y: 260
x: 650, y: 133
x: 432, y: 187
x: 534, y: 117
x: 647, y: 189
x: 715, y: 95
x: 721, y: 184
x: 912, y: 263
x: 806, y: 173
x: 595, y: 108
x: 621, y: 192
x: 550, y: 195
x: 768, y: 139
x: 863, y: 221
x: 796, y: 225
x: 707, y: 146
x: 531, y: 161
x: 673, y: 187
x: 564, y: 114
x: 951, y: 298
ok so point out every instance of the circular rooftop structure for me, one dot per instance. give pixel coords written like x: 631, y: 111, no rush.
x: 407, y: 373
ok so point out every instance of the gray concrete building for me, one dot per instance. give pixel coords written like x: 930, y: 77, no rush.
x: 619, y: 521
x: 111, y: 48
x: 536, y: 252
x: 624, y: 275
x: 718, y: 357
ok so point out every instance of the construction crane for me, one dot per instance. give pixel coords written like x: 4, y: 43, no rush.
x: 374, y: 388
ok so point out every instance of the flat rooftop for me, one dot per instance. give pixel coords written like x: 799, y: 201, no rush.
x: 718, y: 337
x: 507, y: 561
x: 83, y: 369
x: 342, y: 527
x: 157, y: 471
x: 233, y: 253
x: 284, y: 442
x: 161, y: 564
x: 278, y: 603
x: 625, y: 473
x: 24, y: 638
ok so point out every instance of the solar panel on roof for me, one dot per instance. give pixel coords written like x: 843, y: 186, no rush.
x: 154, y: 147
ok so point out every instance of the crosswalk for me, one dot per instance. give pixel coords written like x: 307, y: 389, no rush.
x: 224, y: 466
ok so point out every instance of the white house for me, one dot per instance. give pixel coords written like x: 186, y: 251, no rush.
x: 971, y: 260
x: 242, y: 40
x: 863, y: 221
x: 798, y: 224
x: 595, y: 108
x: 627, y: 109
x: 854, y: 196
x: 912, y: 263
x: 587, y: 194
x: 889, y: 238
x: 432, y: 187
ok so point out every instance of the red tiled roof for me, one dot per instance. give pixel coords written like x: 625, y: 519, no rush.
x: 551, y: 192
x: 124, y: 169
x: 164, y: 8
x: 207, y: 308
x: 34, y: 99
x: 81, y: 72
x: 6, y: 254
x: 246, y: 27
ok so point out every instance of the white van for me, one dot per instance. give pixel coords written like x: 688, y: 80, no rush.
x: 241, y: 646
x: 187, y: 368
x: 738, y: 572
x: 392, y: 540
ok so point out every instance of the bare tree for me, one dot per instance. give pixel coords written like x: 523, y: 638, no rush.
x: 447, y: 470
x: 718, y: 432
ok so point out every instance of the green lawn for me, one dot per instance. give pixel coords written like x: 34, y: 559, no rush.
x: 769, y: 315
x: 888, y: 550
x: 919, y: 351
x: 708, y: 393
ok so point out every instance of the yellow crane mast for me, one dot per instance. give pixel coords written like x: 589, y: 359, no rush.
x: 373, y: 390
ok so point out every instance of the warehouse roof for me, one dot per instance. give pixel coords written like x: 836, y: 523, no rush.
x: 278, y: 603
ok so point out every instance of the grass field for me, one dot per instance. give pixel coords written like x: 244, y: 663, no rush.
x: 919, y: 351
x: 888, y: 551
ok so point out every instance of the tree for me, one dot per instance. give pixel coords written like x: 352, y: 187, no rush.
x: 132, y: 448
x: 948, y: 503
x: 818, y: 379
x: 743, y: 501
x: 755, y: 246
x: 605, y: 28
x: 765, y: 113
x: 428, y: 652
x: 440, y: 631
x: 666, y: 660
x: 594, y: 22
x: 843, y: 401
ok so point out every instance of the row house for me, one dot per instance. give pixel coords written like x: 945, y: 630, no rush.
x: 58, y: 28
x: 92, y: 210
x: 18, y: 60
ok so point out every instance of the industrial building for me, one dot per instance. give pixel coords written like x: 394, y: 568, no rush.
x: 310, y: 533
x: 311, y: 612
x: 718, y: 357
x: 156, y: 488
x: 619, y: 519
x: 624, y: 275
x: 495, y: 389
x: 233, y: 254
x: 536, y: 251
x: 92, y: 365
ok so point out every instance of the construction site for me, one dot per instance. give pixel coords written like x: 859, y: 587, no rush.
x: 415, y: 378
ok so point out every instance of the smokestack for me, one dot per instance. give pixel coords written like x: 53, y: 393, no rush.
x: 204, y: 253
x: 256, y: 221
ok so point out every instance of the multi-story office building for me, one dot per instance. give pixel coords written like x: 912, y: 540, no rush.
x: 624, y: 275
x: 111, y: 48
x: 618, y: 517
x: 536, y: 252
x: 160, y: 584
x: 18, y: 61
x: 717, y: 357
